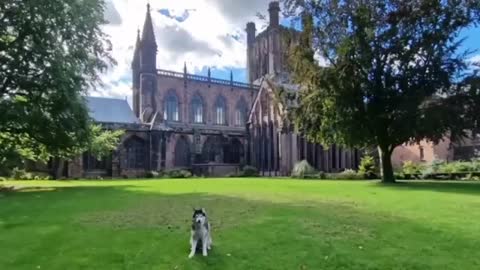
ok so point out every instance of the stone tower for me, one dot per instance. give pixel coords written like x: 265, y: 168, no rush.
x: 144, y: 68
x: 274, y: 12
x: 251, y: 32
x: 265, y: 50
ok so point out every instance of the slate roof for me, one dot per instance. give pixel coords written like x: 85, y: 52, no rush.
x: 110, y: 110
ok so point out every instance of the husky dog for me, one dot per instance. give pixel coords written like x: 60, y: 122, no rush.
x: 200, y: 233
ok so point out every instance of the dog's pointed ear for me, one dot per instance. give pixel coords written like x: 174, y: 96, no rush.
x: 203, y: 211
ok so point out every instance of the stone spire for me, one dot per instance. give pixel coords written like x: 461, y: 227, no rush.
x: 148, y: 35
x: 148, y: 51
x: 136, y: 53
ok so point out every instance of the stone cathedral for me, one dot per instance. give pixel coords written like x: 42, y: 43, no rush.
x: 209, y: 126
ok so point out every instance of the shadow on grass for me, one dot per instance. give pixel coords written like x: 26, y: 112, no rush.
x: 471, y: 188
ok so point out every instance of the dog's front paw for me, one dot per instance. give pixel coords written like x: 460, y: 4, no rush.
x: 191, y: 255
x: 205, y: 254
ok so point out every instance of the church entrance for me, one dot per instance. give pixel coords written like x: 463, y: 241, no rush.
x: 214, y: 149
x: 234, y: 152
x: 182, y: 153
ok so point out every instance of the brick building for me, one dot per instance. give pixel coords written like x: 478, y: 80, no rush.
x: 208, y: 125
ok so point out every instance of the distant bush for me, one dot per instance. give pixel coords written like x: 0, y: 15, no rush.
x: 399, y: 176
x: 178, y: 174
x: 314, y: 176
x: 346, y: 175
x: 21, y: 174
x: 470, y: 177
x: 458, y: 167
x: 368, y: 167
x: 302, y: 170
x: 410, y: 167
x: 248, y: 171
x: 439, y: 169
x: 153, y: 175
x: 437, y: 165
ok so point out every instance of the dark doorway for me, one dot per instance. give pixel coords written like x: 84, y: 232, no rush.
x: 214, y: 149
x: 234, y: 152
x: 182, y: 153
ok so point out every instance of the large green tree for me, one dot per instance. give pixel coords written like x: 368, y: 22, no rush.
x: 51, y: 53
x: 394, y: 72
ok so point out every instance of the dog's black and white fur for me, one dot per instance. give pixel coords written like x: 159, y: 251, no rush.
x: 201, y: 233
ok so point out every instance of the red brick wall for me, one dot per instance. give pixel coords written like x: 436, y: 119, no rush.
x: 209, y: 95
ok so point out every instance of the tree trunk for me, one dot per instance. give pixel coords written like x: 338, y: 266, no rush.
x: 386, y: 167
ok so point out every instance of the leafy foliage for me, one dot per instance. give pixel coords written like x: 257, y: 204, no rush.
x: 153, y: 175
x: 17, y: 148
x: 395, y: 72
x: 178, y: 174
x: 103, y: 142
x: 52, y: 52
x: 346, y: 175
x: 410, y: 167
x: 303, y: 169
x: 21, y: 174
x: 368, y: 167
x: 249, y: 171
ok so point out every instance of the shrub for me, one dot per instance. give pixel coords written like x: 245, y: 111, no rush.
x: 470, y: 177
x: 320, y: 175
x: 399, y: 176
x: 368, y: 167
x: 427, y: 172
x: 153, y: 174
x: 249, y: 171
x: 436, y: 166
x: 21, y: 174
x: 302, y: 169
x: 458, y: 167
x: 315, y: 176
x: 179, y: 174
x: 346, y: 175
x: 411, y: 168
x: 476, y: 165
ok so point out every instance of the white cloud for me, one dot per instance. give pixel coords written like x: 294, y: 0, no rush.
x: 475, y: 59
x: 211, y: 35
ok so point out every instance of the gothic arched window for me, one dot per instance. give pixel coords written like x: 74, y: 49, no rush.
x: 221, y: 111
x: 241, y: 113
x: 197, y: 109
x: 171, y: 110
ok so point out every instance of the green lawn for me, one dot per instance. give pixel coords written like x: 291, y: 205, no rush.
x: 257, y: 224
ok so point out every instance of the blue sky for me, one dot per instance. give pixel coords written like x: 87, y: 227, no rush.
x: 472, y: 39
x: 202, y: 33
